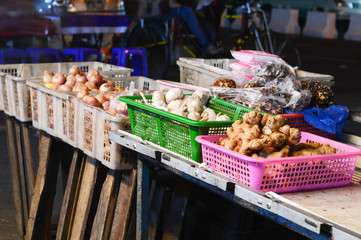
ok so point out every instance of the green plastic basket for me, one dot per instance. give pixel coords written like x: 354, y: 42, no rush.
x: 174, y: 132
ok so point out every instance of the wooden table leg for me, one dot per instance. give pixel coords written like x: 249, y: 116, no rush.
x: 15, y: 174
x: 155, y: 208
x: 142, y: 201
x: 29, y: 165
x: 177, y: 207
x: 85, y: 199
x: 39, y: 222
x: 70, y: 196
x: 124, y: 209
x: 105, y: 211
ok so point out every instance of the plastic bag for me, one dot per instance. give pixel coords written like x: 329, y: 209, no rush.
x: 255, y: 56
x: 299, y: 100
x: 261, y: 99
x: 275, y: 70
x: 331, y: 120
x: 233, y: 79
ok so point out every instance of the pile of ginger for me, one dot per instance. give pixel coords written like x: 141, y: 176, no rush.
x: 267, y: 136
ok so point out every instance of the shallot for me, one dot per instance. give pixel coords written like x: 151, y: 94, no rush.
x: 59, y: 78
x: 106, y: 87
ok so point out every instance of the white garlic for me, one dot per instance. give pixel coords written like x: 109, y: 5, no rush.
x: 175, y: 104
x: 208, y: 115
x: 160, y: 105
x: 173, y: 94
x: 194, y: 115
x: 194, y: 104
x: 158, y: 96
x: 223, y: 117
x: 179, y: 112
x: 202, y: 95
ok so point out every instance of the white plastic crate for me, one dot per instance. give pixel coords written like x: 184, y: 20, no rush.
x: 17, y: 93
x: 186, y: 88
x: 2, y: 83
x: 203, y: 72
x: 54, y: 112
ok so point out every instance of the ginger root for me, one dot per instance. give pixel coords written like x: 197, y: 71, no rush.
x: 280, y: 154
x: 253, y: 117
x: 323, y: 149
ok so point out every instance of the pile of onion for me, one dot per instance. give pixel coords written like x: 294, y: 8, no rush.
x: 76, y: 80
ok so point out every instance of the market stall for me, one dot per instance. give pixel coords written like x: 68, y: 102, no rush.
x: 133, y: 149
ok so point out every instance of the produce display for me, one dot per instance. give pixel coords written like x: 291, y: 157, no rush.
x: 267, y: 136
x: 322, y: 95
x: 77, y: 80
x: 190, y: 106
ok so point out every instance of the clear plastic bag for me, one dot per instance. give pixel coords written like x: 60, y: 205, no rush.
x: 263, y: 99
x: 255, y: 56
x: 299, y: 100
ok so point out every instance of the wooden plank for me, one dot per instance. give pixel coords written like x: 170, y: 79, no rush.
x: 177, y: 207
x: 125, y: 201
x: 155, y: 208
x: 29, y: 165
x: 105, y: 211
x: 39, y: 222
x: 142, y: 201
x: 131, y: 232
x: 15, y: 177
x: 68, y: 204
x: 22, y: 173
x: 85, y: 199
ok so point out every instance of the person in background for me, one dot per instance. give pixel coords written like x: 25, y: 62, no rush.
x: 205, y: 32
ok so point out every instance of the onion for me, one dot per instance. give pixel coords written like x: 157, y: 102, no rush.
x: 111, y: 112
x: 92, y: 72
x: 70, y: 84
x: 110, y: 95
x: 48, y: 73
x: 47, y: 78
x: 55, y: 86
x: 71, y: 78
x: 91, y: 85
x: 59, y: 78
x: 79, y: 87
x: 105, y: 105
x: 111, y: 83
x: 91, y: 100
x: 106, y: 87
x: 80, y: 78
x: 65, y: 88
x: 82, y: 93
x: 74, y: 70
x: 101, y: 98
x: 121, y: 108
x: 96, y: 79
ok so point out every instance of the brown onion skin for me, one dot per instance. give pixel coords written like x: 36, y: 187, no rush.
x: 105, y: 105
x: 96, y: 79
x: 82, y: 93
x: 79, y: 87
x: 59, y: 78
x: 74, y: 70
x: 80, y: 78
x: 70, y: 84
x: 91, y: 85
x: 91, y: 101
x: 92, y: 72
x: 111, y: 83
x: 106, y: 87
x: 101, y: 98
x: 48, y: 78
x: 55, y: 86
x: 65, y: 88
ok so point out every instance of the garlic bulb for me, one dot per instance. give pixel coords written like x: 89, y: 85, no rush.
x: 194, y: 104
x: 223, y: 117
x: 158, y: 96
x: 208, y: 115
x: 160, y: 105
x: 179, y: 112
x: 175, y: 104
x: 202, y: 95
x: 194, y: 115
x: 173, y: 94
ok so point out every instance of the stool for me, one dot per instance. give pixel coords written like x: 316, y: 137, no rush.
x: 284, y: 21
x: 36, y: 53
x: 11, y: 55
x: 135, y: 53
x: 81, y: 54
x: 321, y: 25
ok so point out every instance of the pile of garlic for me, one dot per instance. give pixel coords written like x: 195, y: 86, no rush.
x: 189, y: 106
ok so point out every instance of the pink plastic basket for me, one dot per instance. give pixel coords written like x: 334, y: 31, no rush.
x: 283, y: 174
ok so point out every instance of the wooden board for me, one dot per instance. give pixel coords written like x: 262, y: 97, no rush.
x: 15, y: 177
x: 70, y: 197
x: 124, y: 205
x: 105, y: 211
x: 341, y: 205
x: 85, y: 199
x: 29, y: 165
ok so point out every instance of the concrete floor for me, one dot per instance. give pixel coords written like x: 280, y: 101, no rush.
x: 336, y: 57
